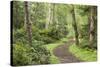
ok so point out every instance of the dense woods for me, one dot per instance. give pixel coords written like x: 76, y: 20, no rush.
x: 36, y: 25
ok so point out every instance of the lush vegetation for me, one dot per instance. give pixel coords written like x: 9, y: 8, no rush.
x: 23, y: 54
x: 84, y: 54
x: 38, y: 28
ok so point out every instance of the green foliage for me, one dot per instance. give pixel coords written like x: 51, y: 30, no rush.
x: 19, y: 35
x: 18, y: 14
x: 24, y: 54
x: 21, y: 55
x: 83, y: 9
x: 84, y: 43
x: 42, y: 35
x: 84, y: 37
x: 84, y: 54
x: 53, y: 59
x: 57, y: 33
x: 48, y: 35
x: 59, y: 25
x: 85, y: 29
x: 38, y: 12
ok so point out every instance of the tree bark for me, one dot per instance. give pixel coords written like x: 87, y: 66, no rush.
x: 28, y: 24
x: 48, y: 16
x: 75, y: 25
x: 91, y: 27
x: 53, y: 9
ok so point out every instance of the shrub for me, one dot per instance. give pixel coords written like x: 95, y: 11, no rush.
x: 20, y: 55
x: 24, y: 54
x: 19, y: 36
x: 46, y: 35
x: 84, y: 43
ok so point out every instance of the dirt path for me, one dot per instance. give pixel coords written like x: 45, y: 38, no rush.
x: 63, y: 53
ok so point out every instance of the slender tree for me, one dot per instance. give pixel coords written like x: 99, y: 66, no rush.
x: 53, y: 13
x: 48, y: 15
x: 54, y: 16
x: 28, y: 23
x: 75, y: 25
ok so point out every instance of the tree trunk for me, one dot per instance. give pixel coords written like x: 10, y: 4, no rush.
x: 53, y: 14
x: 91, y: 27
x: 28, y: 24
x: 75, y: 25
x: 55, y: 20
x: 48, y: 16
x: 16, y: 14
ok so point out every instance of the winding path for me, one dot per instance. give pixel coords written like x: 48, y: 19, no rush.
x: 63, y: 53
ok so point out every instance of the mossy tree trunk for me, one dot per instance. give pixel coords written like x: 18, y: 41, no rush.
x: 28, y: 23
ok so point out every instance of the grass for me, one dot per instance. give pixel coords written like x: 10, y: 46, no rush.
x: 53, y: 58
x: 83, y: 54
x: 50, y: 47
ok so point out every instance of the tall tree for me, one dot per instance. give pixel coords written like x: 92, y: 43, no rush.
x: 53, y: 20
x: 54, y: 15
x: 28, y: 23
x: 91, y: 27
x: 48, y: 15
x: 75, y: 25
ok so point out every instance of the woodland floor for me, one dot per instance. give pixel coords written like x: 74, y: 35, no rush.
x: 63, y: 53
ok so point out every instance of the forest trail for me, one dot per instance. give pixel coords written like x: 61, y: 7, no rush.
x: 63, y: 53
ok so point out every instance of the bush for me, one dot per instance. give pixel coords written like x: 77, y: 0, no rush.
x: 46, y: 35
x: 51, y: 35
x: 19, y: 36
x: 20, y: 55
x: 25, y: 55
x: 57, y: 33
x: 84, y: 43
x: 43, y: 36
